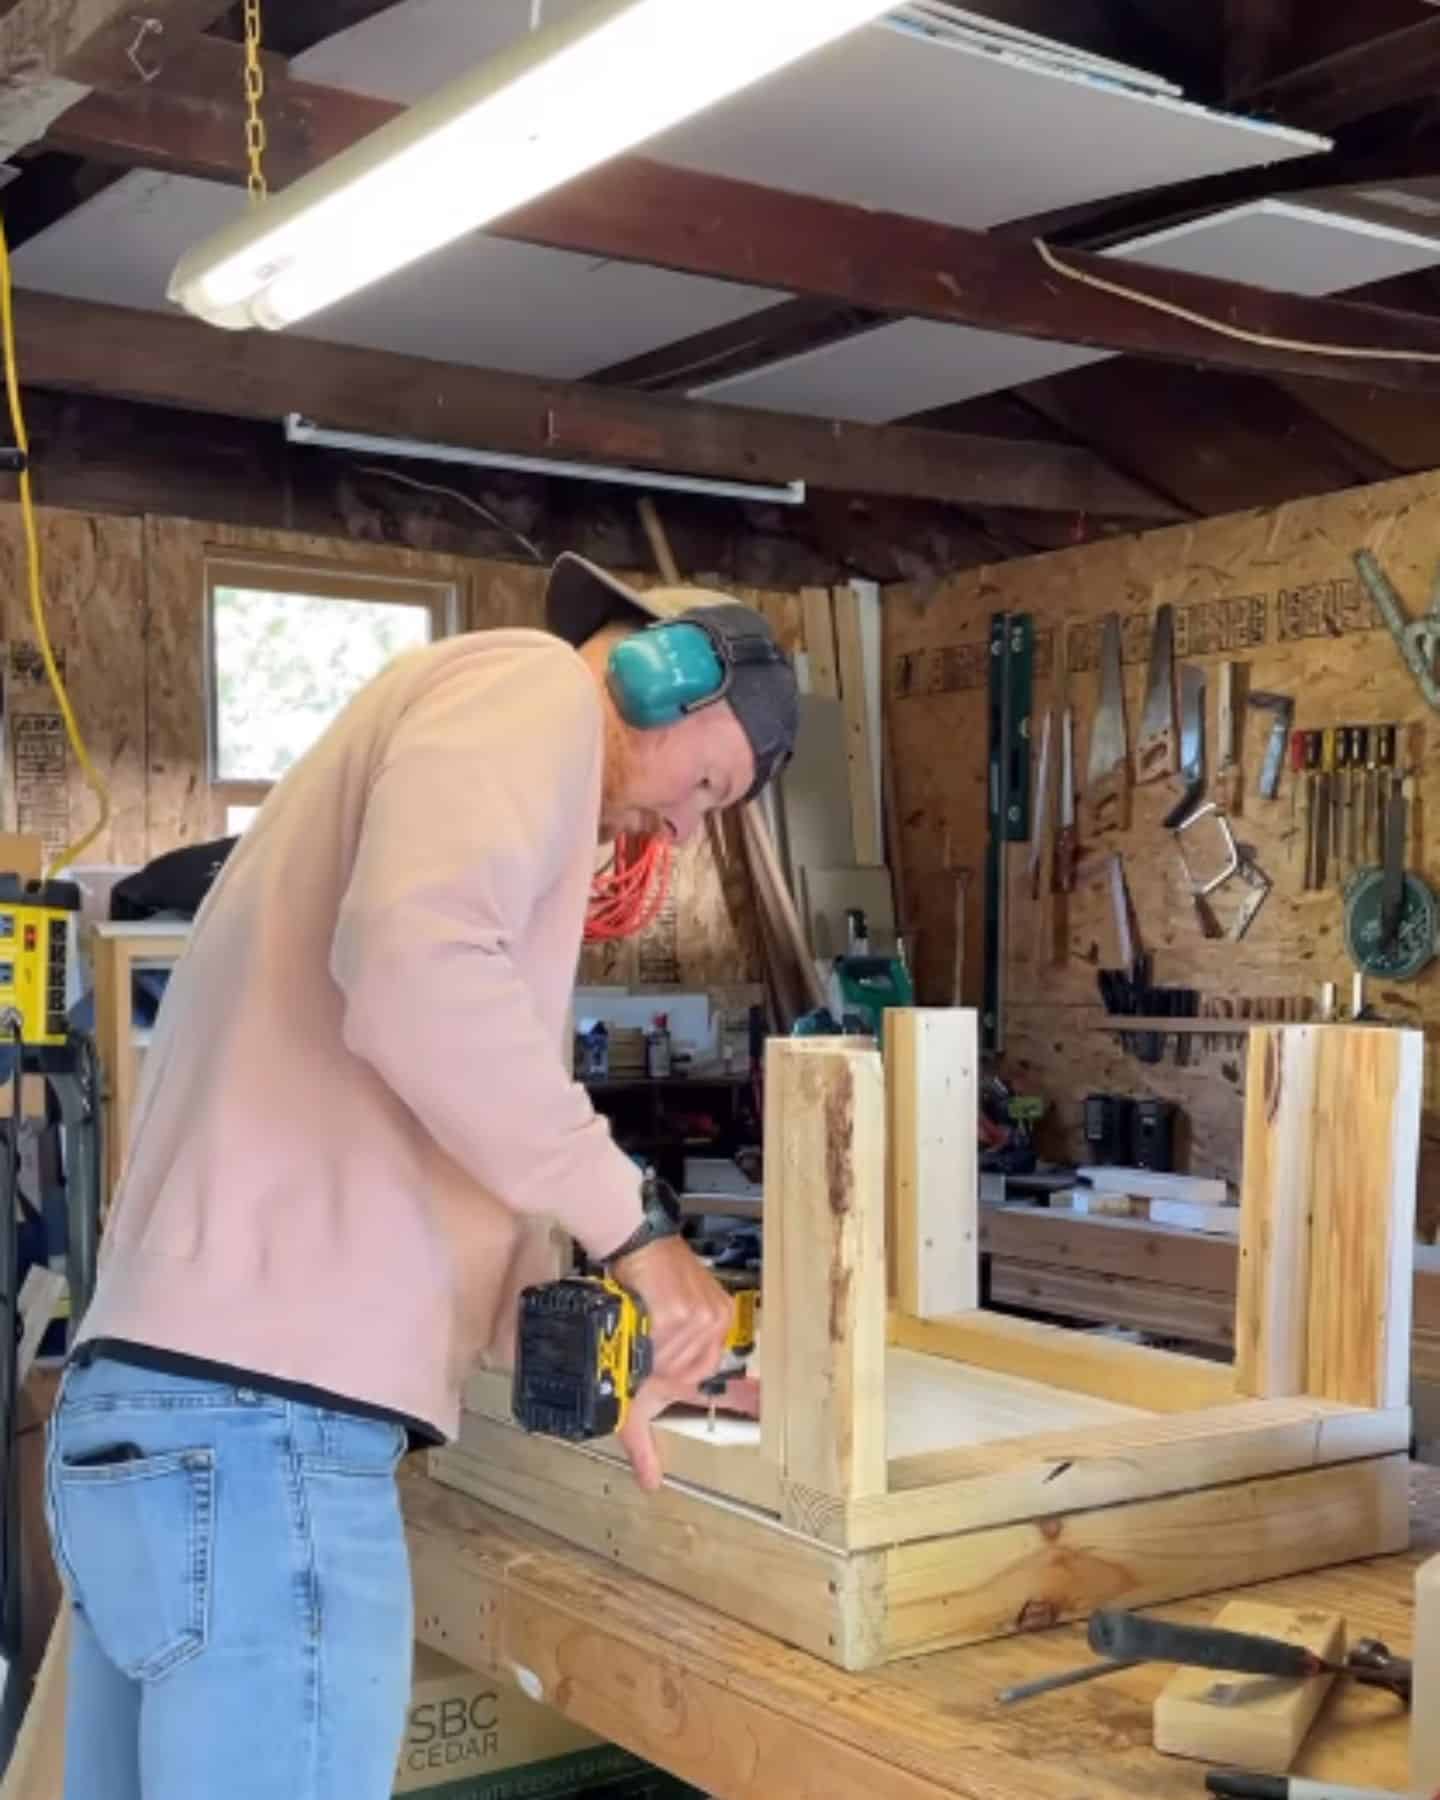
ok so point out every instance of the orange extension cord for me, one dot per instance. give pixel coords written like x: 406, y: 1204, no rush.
x: 626, y: 896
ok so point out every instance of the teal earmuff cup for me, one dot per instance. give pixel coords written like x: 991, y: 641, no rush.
x: 659, y: 675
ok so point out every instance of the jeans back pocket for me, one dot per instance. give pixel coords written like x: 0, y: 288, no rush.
x: 135, y: 1541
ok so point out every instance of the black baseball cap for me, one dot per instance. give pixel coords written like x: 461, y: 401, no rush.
x: 581, y: 599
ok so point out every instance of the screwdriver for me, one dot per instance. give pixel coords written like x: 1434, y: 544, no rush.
x: 1297, y: 766
x: 1385, y: 766
x: 1364, y: 745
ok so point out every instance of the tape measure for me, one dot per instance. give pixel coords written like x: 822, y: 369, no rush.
x: 583, y: 1349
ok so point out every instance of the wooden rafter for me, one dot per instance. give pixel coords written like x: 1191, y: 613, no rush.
x: 78, y: 346
x: 1368, y: 78
x: 640, y: 211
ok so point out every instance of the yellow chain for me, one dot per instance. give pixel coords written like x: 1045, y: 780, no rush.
x: 254, y: 94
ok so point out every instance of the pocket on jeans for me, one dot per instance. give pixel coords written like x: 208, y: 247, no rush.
x: 135, y: 1541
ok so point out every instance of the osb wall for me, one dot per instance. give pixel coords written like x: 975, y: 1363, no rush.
x: 1273, y: 591
x: 125, y: 607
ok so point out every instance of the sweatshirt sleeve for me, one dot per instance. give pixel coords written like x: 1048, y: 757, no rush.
x: 471, y: 818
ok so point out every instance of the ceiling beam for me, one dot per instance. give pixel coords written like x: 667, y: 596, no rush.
x: 77, y: 346
x: 639, y: 211
x: 1368, y: 78
x: 51, y: 51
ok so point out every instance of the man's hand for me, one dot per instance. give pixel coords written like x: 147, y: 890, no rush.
x: 690, y: 1317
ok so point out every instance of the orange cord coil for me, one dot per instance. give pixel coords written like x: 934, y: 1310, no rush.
x: 626, y: 896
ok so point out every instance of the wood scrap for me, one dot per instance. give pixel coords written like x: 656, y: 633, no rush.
x: 1249, y: 1721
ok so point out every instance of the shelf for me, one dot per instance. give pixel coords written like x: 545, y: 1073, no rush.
x: 1200, y: 1027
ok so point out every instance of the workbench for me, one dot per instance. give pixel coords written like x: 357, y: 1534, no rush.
x: 743, y: 1716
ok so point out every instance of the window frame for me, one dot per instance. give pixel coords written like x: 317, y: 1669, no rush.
x: 439, y: 595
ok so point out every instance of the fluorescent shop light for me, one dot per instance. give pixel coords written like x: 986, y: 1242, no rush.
x: 299, y: 430
x: 563, y: 100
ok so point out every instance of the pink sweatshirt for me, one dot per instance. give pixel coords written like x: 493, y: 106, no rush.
x: 354, y: 1125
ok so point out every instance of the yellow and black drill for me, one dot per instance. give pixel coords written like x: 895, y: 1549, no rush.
x: 584, y: 1348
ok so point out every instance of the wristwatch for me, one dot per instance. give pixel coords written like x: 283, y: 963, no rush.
x: 660, y: 1218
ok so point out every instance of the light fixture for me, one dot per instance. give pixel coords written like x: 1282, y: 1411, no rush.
x: 299, y: 430
x: 559, y: 102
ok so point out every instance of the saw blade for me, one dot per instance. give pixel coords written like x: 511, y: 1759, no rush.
x: 1155, y: 750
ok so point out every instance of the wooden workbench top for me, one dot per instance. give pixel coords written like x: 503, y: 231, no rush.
x: 743, y: 1716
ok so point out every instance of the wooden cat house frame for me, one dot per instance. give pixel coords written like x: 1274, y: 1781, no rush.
x: 926, y: 1473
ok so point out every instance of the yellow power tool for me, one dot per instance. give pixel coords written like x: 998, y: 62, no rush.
x: 584, y: 1348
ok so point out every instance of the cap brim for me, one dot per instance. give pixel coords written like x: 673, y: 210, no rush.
x: 581, y: 599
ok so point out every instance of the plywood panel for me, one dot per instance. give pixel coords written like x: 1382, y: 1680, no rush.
x: 1274, y: 591
x: 95, y: 612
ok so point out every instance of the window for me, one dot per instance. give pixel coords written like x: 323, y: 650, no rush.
x: 288, y: 645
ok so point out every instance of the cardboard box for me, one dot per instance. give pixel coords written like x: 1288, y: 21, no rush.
x: 476, y: 1737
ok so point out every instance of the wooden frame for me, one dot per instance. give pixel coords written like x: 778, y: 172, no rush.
x: 264, y: 572
x: 924, y: 1477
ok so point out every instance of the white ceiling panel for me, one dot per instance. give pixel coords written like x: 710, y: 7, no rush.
x: 946, y: 130
x: 485, y: 302
x: 943, y: 122
x: 914, y: 364
x: 1283, y: 244
x: 896, y: 370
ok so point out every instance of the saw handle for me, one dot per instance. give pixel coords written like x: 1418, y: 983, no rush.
x: 1129, y: 1637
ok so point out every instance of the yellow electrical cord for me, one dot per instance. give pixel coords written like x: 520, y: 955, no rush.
x: 32, y: 560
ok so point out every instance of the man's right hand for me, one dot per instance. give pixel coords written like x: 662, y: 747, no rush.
x: 690, y: 1316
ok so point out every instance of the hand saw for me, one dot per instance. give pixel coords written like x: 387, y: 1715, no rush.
x: 1107, y: 775
x: 1155, y: 750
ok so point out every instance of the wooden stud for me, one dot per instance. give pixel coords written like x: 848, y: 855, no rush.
x: 820, y: 642
x: 859, y: 746
x: 1249, y: 1721
x: 1362, y: 1228
x: 825, y: 1200
x: 1159, y: 1380
x: 804, y: 1592
x: 1272, y: 1305
x: 1332, y: 1126
x: 1030, y: 1576
x: 932, y: 1065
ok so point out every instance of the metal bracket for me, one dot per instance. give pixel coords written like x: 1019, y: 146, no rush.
x: 144, y: 28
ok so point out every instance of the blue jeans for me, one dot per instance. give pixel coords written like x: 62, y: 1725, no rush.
x: 241, y: 1589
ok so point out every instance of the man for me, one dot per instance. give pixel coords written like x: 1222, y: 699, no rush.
x: 353, y: 1125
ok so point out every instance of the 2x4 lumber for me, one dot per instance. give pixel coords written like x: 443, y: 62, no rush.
x: 825, y: 1200
x: 932, y: 1063
x: 1332, y: 1130
x: 819, y: 618
x: 1159, y: 1380
x: 1030, y: 1576
x: 80, y: 346
x: 640, y: 211
x: 737, y: 1471
x: 1130, y: 1248
x: 860, y: 746
x: 720, y: 1702
x: 1362, y: 1227
x: 710, y: 1549
x: 943, y: 1493
x: 1183, y: 1314
x: 1273, y: 1283
x: 1255, y: 1721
